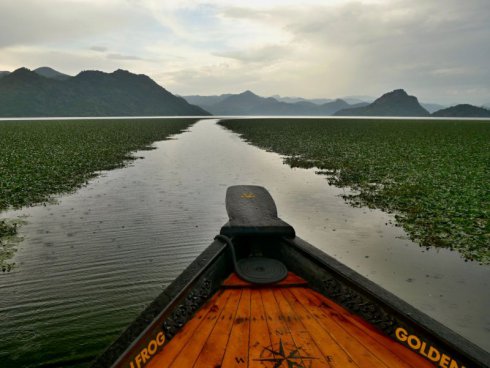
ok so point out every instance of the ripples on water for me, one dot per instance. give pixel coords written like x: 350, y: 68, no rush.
x: 91, y: 263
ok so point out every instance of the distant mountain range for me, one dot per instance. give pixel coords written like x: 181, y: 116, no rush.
x: 205, y: 101
x: 248, y: 103
x: 317, y: 101
x: 351, y: 100
x: 262, y: 108
x: 46, y: 92
x: 394, y: 103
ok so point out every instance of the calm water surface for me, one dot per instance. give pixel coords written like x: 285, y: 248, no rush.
x: 89, y: 264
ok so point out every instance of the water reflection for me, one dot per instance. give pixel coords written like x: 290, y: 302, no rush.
x: 91, y: 263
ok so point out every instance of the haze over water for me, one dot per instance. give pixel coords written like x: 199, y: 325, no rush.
x: 89, y: 264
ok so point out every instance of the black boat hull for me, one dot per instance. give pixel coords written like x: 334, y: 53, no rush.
x: 166, y: 315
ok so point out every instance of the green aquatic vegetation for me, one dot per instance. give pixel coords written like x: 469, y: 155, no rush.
x: 41, y: 158
x: 8, y: 241
x: 434, y: 175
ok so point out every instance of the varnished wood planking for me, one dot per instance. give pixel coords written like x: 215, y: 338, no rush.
x: 188, y: 342
x: 302, y: 338
x: 395, y: 354
x: 266, y: 327
x: 214, y: 348
x: 259, y: 330
x: 334, y: 353
x: 347, y: 339
x: 233, y: 281
x: 282, y: 343
x: 236, y: 354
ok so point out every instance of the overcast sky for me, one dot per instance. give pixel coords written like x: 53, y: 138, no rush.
x: 436, y: 50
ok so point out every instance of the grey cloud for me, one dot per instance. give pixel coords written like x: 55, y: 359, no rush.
x: 406, y: 21
x: 32, y: 22
x: 437, y: 50
x: 98, y: 48
x: 432, y: 48
x: 258, y: 55
x: 238, y: 12
x: 222, y: 78
x: 123, y: 57
x: 429, y: 47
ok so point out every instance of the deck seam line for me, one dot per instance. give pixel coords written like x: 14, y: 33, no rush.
x: 312, y: 339
x: 285, y: 323
x: 350, y: 335
x: 328, y: 333
x: 231, y: 328
x: 255, y: 293
x: 358, y: 323
x: 249, y: 328
x: 200, y: 323
x: 282, y: 322
x: 210, y: 332
x: 187, y: 342
x: 265, y: 316
x: 394, y: 353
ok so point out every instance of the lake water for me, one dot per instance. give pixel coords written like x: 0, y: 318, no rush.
x: 90, y: 263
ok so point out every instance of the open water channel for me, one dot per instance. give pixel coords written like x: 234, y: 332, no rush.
x: 90, y: 263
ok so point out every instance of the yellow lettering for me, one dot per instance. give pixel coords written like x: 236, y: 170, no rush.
x: 160, y: 338
x: 401, y: 334
x: 434, y: 354
x: 414, y: 342
x: 425, y: 349
x: 453, y: 364
x: 138, y: 361
x: 144, y: 355
x: 444, y: 361
x: 152, y: 347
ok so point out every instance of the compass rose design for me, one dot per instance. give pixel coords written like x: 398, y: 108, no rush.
x: 284, y: 355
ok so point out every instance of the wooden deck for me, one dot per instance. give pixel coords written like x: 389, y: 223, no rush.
x: 286, y: 326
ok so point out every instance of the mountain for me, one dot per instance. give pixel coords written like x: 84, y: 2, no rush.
x: 205, y: 101
x: 90, y: 93
x: 358, y: 99
x: 48, y: 72
x: 395, y: 103
x: 316, y: 101
x: 332, y: 107
x: 463, y: 111
x: 432, y: 107
x: 248, y: 103
x: 44, y: 71
x: 352, y: 101
x: 359, y: 104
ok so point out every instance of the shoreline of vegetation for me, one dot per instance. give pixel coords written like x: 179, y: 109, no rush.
x: 433, y: 175
x: 39, y: 159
